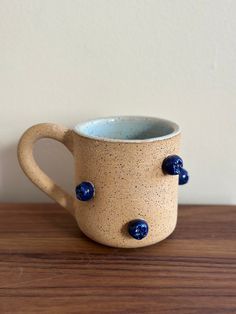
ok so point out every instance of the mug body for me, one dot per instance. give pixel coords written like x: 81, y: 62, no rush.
x: 122, y: 157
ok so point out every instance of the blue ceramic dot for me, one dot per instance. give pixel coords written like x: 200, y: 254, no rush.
x: 183, y: 176
x: 138, y: 229
x: 172, y: 165
x: 85, y: 191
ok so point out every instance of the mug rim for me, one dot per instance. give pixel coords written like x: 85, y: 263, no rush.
x: 78, y: 129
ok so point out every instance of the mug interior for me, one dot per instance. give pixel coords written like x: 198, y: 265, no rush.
x: 128, y: 129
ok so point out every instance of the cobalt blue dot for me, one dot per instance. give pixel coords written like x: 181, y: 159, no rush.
x: 183, y: 176
x: 172, y: 165
x: 138, y: 229
x: 85, y: 191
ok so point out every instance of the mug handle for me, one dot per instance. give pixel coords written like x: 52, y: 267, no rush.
x: 33, y: 171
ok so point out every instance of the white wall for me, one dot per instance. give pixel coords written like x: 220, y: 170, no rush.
x: 67, y: 61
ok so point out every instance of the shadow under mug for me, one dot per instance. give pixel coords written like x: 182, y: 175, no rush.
x: 127, y: 171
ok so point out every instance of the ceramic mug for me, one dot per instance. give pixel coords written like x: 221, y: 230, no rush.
x: 127, y: 171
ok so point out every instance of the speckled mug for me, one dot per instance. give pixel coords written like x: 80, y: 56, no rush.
x: 125, y: 177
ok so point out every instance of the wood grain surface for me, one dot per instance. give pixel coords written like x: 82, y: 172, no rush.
x: 48, y: 266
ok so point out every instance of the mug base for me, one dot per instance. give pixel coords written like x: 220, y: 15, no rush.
x: 131, y: 243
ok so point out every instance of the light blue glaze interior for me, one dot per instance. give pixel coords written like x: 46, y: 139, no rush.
x: 128, y: 128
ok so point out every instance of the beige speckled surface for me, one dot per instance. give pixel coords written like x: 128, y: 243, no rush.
x: 128, y: 179
x: 129, y: 185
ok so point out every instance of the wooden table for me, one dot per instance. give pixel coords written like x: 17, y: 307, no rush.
x: 48, y: 266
